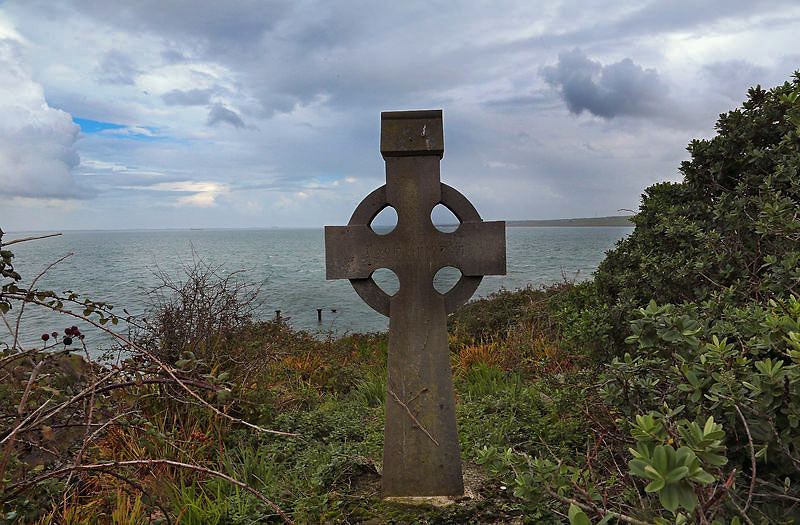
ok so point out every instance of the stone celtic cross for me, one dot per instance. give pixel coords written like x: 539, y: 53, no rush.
x: 421, y: 454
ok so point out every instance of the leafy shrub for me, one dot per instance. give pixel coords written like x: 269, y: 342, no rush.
x: 729, y: 230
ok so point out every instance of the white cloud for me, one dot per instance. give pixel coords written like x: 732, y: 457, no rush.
x: 37, y: 142
x: 503, y: 165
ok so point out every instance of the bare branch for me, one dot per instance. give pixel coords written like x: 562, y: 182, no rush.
x: 166, y: 368
x: 33, y: 238
x: 20, y: 412
x: 30, y: 288
x: 621, y: 517
x: 22, y: 485
x: 752, y: 458
x: 408, y: 411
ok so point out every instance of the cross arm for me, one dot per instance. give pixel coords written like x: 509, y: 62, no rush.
x: 355, y: 251
x: 477, y: 248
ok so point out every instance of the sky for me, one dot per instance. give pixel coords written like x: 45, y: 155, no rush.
x: 255, y: 113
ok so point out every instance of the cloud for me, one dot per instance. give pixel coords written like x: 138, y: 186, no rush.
x: 117, y: 68
x: 622, y: 88
x: 228, y: 24
x: 734, y: 77
x: 37, y: 142
x: 201, y: 194
x: 220, y: 114
x: 497, y: 164
x: 190, y: 97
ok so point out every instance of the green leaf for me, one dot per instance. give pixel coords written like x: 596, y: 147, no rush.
x: 676, y: 474
x: 224, y: 395
x: 577, y: 516
x: 709, y: 427
x: 605, y: 520
x: 669, y: 498
x: 660, y: 459
x: 703, y: 477
x: 655, y: 485
x: 637, y: 467
x: 651, y: 473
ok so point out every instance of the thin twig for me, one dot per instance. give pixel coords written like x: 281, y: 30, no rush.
x: 583, y: 506
x: 752, y: 458
x: 14, y: 344
x: 157, y: 381
x: 408, y: 411
x: 30, y: 289
x: 65, y: 404
x: 88, y: 423
x: 778, y: 496
x: 18, y: 355
x: 33, y: 415
x: 168, y: 369
x: 741, y: 512
x: 775, y: 433
x: 20, y: 411
x: 22, y: 485
x: 140, y: 489
x: 33, y: 238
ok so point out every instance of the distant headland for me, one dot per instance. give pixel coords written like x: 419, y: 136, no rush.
x: 611, y: 220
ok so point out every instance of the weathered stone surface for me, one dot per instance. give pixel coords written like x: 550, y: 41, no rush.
x: 421, y: 452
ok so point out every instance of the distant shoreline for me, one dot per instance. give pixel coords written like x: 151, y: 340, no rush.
x: 611, y: 220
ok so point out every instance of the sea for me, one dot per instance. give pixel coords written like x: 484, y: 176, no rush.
x: 121, y: 267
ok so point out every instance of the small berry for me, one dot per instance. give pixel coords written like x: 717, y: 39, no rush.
x: 68, y: 331
x: 81, y: 336
x: 45, y: 337
x: 74, y: 328
x: 67, y: 341
x: 54, y: 334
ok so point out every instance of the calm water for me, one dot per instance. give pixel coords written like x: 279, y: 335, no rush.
x: 119, y: 267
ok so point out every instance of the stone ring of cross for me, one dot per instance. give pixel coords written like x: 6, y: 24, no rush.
x: 372, y: 205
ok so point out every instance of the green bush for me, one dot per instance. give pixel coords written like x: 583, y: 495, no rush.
x: 729, y: 231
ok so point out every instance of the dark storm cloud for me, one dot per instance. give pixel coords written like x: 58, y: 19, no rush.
x: 117, y: 68
x: 623, y: 88
x: 220, y: 114
x: 190, y: 97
